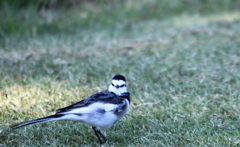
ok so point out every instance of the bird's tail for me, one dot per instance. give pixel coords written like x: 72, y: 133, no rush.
x: 40, y: 120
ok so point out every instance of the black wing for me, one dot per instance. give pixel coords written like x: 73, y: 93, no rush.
x: 126, y: 95
x: 103, y: 96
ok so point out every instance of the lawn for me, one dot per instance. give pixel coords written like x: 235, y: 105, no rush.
x: 181, y: 61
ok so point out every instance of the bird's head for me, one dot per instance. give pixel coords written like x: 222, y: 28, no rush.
x: 118, y: 85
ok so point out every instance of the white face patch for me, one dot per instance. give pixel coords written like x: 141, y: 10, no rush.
x: 117, y: 87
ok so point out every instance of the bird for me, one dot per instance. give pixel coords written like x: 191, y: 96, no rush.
x: 100, y: 110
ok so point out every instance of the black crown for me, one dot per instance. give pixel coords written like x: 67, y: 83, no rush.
x: 119, y: 77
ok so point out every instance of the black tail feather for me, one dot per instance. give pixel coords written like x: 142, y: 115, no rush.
x: 35, y: 121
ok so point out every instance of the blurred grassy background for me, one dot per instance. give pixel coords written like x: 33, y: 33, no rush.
x: 41, y: 16
x: 181, y: 60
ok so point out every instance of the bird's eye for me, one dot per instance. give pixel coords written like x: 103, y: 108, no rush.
x: 118, y: 86
x: 115, y: 85
x: 122, y: 85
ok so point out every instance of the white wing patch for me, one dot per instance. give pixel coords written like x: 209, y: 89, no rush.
x: 92, y: 108
x: 110, y: 107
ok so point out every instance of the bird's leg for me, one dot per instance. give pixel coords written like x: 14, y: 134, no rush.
x: 96, y: 132
x: 102, y: 135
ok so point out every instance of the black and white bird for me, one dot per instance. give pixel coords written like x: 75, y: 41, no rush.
x: 100, y: 110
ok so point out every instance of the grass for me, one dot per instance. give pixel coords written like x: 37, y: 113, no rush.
x: 182, y: 71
